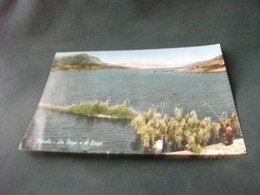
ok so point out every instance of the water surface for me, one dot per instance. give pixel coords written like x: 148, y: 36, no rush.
x: 163, y: 90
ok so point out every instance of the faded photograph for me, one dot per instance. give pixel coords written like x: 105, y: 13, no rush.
x: 175, y: 101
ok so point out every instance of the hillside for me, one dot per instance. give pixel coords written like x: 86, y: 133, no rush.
x: 216, y: 64
x: 79, y: 62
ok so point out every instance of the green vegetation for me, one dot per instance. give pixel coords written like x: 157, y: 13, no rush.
x: 81, y: 61
x: 149, y: 126
x: 97, y: 109
x: 181, y: 132
x: 178, y: 131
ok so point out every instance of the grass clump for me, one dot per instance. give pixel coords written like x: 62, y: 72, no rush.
x: 101, y: 109
x: 149, y: 126
x: 196, y: 149
x: 190, y: 132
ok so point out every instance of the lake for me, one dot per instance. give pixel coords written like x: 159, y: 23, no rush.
x: 161, y: 89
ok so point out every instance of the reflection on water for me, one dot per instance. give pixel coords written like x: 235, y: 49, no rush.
x: 82, y: 134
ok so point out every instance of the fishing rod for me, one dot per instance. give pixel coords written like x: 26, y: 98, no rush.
x: 205, y: 103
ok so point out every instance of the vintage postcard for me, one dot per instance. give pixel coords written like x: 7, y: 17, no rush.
x: 175, y: 101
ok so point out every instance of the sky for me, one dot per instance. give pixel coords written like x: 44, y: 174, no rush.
x: 154, y: 58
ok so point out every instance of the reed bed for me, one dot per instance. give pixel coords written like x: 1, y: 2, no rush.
x: 96, y: 109
x: 121, y: 111
x: 181, y: 132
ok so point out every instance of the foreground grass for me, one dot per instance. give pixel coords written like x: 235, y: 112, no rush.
x: 181, y: 132
x: 96, y: 109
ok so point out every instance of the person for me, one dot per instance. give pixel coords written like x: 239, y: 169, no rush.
x: 158, y: 146
x: 228, y: 133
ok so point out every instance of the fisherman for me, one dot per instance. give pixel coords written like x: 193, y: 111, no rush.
x: 228, y: 133
x: 158, y: 146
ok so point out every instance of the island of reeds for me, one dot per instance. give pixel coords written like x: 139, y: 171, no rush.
x: 97, y: 109
x: 178, y: 132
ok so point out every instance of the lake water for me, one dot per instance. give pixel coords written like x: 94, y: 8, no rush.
x: 160, y: 89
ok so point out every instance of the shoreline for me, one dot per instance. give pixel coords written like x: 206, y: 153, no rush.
x: 219, y: 70
x: 237, y: 148
x: 86, y: 69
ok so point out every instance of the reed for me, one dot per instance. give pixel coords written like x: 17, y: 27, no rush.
x: 179, y: 131
x: 121, y: 111
x: 96, y: 109
x: 149, y: 126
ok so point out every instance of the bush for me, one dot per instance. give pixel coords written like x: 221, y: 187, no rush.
x: 196, y: 149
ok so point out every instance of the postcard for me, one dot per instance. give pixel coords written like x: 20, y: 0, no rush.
x: 174, y: 101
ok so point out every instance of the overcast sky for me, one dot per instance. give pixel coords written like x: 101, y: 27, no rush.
x: 155, y: 58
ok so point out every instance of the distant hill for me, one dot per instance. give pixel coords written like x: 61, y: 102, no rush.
x: 79, y: 62
x: 216, y: 64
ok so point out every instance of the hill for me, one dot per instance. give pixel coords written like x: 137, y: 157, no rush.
x: 216, y: 64
x: 80, y: 62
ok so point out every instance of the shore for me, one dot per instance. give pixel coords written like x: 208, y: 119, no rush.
x: 223, y: 69
x: 237, y: 148
x: 53, y: 69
